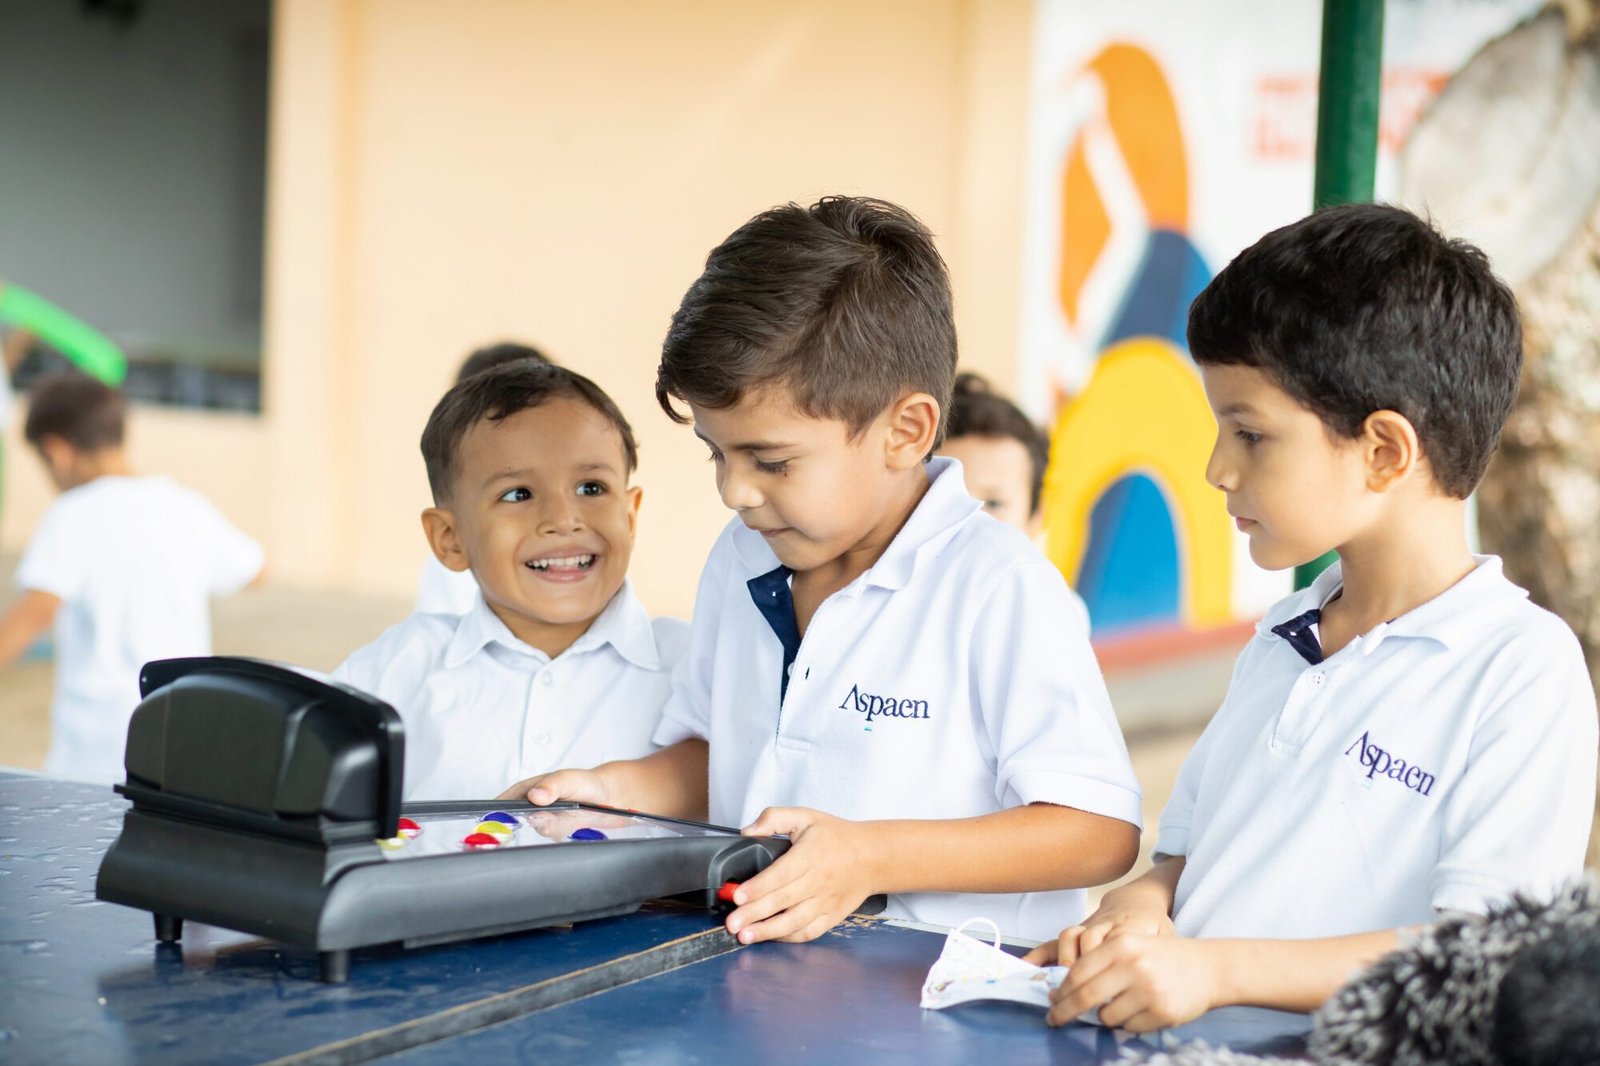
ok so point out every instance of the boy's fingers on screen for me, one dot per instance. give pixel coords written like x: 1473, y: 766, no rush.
x: 518, y: 790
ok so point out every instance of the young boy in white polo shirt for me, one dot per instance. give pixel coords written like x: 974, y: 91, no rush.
x: 124, y: 567
x: 556, y: 661
x: 440, y: 589
x: 893, y: 678
x: 1407, y: 736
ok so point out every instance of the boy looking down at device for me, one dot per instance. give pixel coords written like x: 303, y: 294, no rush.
x: 876, y: 668
x: 1407, y: 736
x: 556, y: 661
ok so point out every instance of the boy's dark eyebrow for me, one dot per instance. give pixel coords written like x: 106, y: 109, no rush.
x: 751, y: 445
x: 1237, y: 408
x: 517, y: 472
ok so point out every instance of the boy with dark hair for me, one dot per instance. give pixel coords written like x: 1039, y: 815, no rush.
x: 1002, y: 453
x: 865, y: 643
x: 1409, y: 735
x: 556, y: 661
x: 123, y: 566
x: 449, y: 591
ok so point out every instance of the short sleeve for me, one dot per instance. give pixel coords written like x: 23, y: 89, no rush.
x: 1519, y: 818
x: 687, y: 714
x: 1043, y: 702
x: 231, y: 558
x: 55, y: 560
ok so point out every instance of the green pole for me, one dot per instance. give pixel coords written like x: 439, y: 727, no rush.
x: 1348, y: 90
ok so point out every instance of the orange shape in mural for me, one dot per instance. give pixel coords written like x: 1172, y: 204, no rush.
x: 1143, y: 120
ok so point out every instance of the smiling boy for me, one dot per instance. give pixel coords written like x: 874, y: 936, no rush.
x: 876, y: 668
x: 1409, y: 735
x: 556, y: 661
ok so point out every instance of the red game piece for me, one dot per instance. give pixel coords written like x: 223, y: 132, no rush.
x: 725, y: 893
x: 476, y: 841
x: 408, y: 828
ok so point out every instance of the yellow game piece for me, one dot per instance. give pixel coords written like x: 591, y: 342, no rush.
x: 499, y: 829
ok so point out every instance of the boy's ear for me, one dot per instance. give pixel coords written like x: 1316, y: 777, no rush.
x: 635, y: 497
x: 1391, y: 447
x: 439, y: 526
x: 913, y: 422
x: 58, y: 457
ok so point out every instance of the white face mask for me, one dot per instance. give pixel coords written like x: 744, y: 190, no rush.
x: 969, y: 969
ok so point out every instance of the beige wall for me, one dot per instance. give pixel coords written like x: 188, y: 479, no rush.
x: 442, y: 176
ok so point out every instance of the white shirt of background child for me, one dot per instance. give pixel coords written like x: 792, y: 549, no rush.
x: 482, y: 709
x: 1437, y: 763
x: 998, y: 700
x: 134, y: 561
x: 441, y: 590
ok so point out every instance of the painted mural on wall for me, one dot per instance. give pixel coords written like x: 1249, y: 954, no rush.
x: 1164, y: 139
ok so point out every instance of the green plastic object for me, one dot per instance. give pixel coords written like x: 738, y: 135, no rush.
x: 1349, y: 90
x: 90, y: 350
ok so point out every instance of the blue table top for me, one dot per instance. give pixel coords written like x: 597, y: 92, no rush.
x: 86, y: 981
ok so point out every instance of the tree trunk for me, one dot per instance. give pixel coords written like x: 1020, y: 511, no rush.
x: 1539, y: 505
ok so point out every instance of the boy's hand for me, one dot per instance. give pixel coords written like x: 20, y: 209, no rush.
x: 811, y: 887
x: 1139, y: 983
x: 1112, y: 920
x: 579, y: 786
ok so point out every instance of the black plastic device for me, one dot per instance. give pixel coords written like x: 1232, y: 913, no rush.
x: 267, y: 799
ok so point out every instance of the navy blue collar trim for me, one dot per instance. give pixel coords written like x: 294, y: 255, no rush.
x: 775, y: 601
x: 1301, y: 636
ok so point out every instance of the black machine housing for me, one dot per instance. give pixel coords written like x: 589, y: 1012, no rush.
x: 259, y: 792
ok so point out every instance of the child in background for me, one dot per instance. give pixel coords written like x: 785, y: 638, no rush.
x: 1001, y: 452
x: 439, y: 589
x: 556, y: 661
x: 124, y: 567
x: 1407, y: 737
x: 875, y: 668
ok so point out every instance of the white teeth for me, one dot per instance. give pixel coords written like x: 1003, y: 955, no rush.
x: 568, y: 562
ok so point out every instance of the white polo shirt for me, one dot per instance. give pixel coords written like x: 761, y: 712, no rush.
x: 483, y: 710
x: 953, y: 678
x: 134, y: 561
x: 1436, y: 763
x: 441, y: 590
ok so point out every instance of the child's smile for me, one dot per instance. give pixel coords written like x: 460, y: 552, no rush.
x: 543, y: 516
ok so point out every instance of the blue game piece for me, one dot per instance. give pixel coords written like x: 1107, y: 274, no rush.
x: 587, y: 834
x: 501, y: 816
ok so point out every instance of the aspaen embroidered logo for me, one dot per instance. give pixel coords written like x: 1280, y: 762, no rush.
x: 870, y: 705
x: 1386, y: 764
